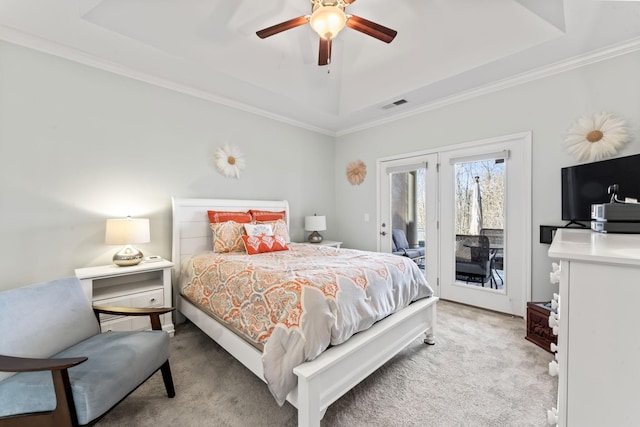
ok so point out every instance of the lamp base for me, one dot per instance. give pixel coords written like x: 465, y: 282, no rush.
x: 315, y: 237
x: 127, y: 256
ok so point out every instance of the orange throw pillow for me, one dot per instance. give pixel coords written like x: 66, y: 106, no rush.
x: 261, y: 244
x: 223, y: 216
x: 267, y: 215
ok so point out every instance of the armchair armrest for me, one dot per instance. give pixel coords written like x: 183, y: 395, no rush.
x: 153, y: 312
x: 65, y: 411
x: 25, y: 364
x: 132, y: 311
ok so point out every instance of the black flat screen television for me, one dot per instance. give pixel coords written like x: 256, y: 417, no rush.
x: 586, y: 184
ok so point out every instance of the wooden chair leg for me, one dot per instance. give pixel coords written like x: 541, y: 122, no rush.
x: 168, y: 379
x: 65, y: 412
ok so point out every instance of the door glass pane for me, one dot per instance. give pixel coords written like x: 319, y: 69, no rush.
x: 480, y: 224
x: 408, y: 214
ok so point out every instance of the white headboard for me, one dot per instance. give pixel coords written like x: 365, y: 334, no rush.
x: 191, y: 231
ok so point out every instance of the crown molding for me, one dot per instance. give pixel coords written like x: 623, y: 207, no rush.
x: 569, y: 64
x: 46, y: 46
x: 72, y: 54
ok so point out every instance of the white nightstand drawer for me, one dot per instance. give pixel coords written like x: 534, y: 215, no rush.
x: 116, y: 324
x: 142, y: 299
x: 124, y: 323
x: 148, y: 299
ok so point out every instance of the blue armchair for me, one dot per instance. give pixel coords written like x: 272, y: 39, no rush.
x: 57, y: 369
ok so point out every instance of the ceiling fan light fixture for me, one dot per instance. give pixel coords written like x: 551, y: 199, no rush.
x: 327, y: 21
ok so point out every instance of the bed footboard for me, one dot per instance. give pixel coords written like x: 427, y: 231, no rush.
x: 324, y: 380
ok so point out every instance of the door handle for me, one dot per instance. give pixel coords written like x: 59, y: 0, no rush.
x: 383, y: 233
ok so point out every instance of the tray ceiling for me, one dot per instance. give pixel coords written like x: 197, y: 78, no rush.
x: 209, y: 48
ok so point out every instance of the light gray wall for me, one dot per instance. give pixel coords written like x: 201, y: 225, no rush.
x: 79, y: 145
x: 547, y: 107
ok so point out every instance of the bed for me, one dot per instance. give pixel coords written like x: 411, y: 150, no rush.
x: 334, y: 371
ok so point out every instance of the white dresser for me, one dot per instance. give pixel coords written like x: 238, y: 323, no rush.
x: 598, y: 357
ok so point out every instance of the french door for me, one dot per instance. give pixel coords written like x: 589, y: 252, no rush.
x: 408, y: 189
x: 431, y: 197
x: 485, y: 223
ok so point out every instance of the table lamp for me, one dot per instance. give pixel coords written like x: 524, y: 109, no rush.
x: 127, y: 231
x: 315, y: 223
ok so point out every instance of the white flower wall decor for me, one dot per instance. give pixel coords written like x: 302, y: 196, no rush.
x: 356, y: 172
x: 596, y: 137
x: 229, y: 161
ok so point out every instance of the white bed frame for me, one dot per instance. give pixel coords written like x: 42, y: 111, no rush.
x: 325, y: 379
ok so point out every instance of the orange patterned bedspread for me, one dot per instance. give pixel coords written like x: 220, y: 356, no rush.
x: 296, y: 303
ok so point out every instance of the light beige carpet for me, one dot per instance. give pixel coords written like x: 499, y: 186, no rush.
x: 481, y: 372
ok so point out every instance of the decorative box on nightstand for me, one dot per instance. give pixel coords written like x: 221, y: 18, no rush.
x: 538, y: 330
x: 147, y: 284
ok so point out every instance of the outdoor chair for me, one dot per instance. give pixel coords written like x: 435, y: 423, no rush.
x: 57, y: 369
x: 401, y: 246
x: 496, y: 239
x: 473, y: 259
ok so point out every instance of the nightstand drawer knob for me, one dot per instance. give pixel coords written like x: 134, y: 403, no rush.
x: 152, y: 300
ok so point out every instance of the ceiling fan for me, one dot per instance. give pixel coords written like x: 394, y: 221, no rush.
x: 327, y: 19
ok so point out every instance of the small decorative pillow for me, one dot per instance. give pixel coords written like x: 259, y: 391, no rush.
x: 279, y: 228
x: 227, y: 237
x: 267, y: 215
x: 261, y: 244
x: 258, y: 229
x: 223, y: 216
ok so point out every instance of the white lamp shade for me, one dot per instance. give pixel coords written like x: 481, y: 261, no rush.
x: 127, y: 231
x: 315, y: 223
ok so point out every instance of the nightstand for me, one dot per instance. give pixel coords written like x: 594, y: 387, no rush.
x: 325, y: 243
x: 538, y: 330
x: 147, y: 284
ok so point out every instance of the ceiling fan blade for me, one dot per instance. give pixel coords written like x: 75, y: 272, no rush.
x: 371, y: 29
x: 324, y: 55
x: 283, y: 26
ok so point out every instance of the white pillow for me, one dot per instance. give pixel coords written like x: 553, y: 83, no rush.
x: 258, y: 229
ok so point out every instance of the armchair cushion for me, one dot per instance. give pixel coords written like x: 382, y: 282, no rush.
x: 34, y: 325
x: 99, y: 383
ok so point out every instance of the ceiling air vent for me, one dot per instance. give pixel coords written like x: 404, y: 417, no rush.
x: 394, y: 104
